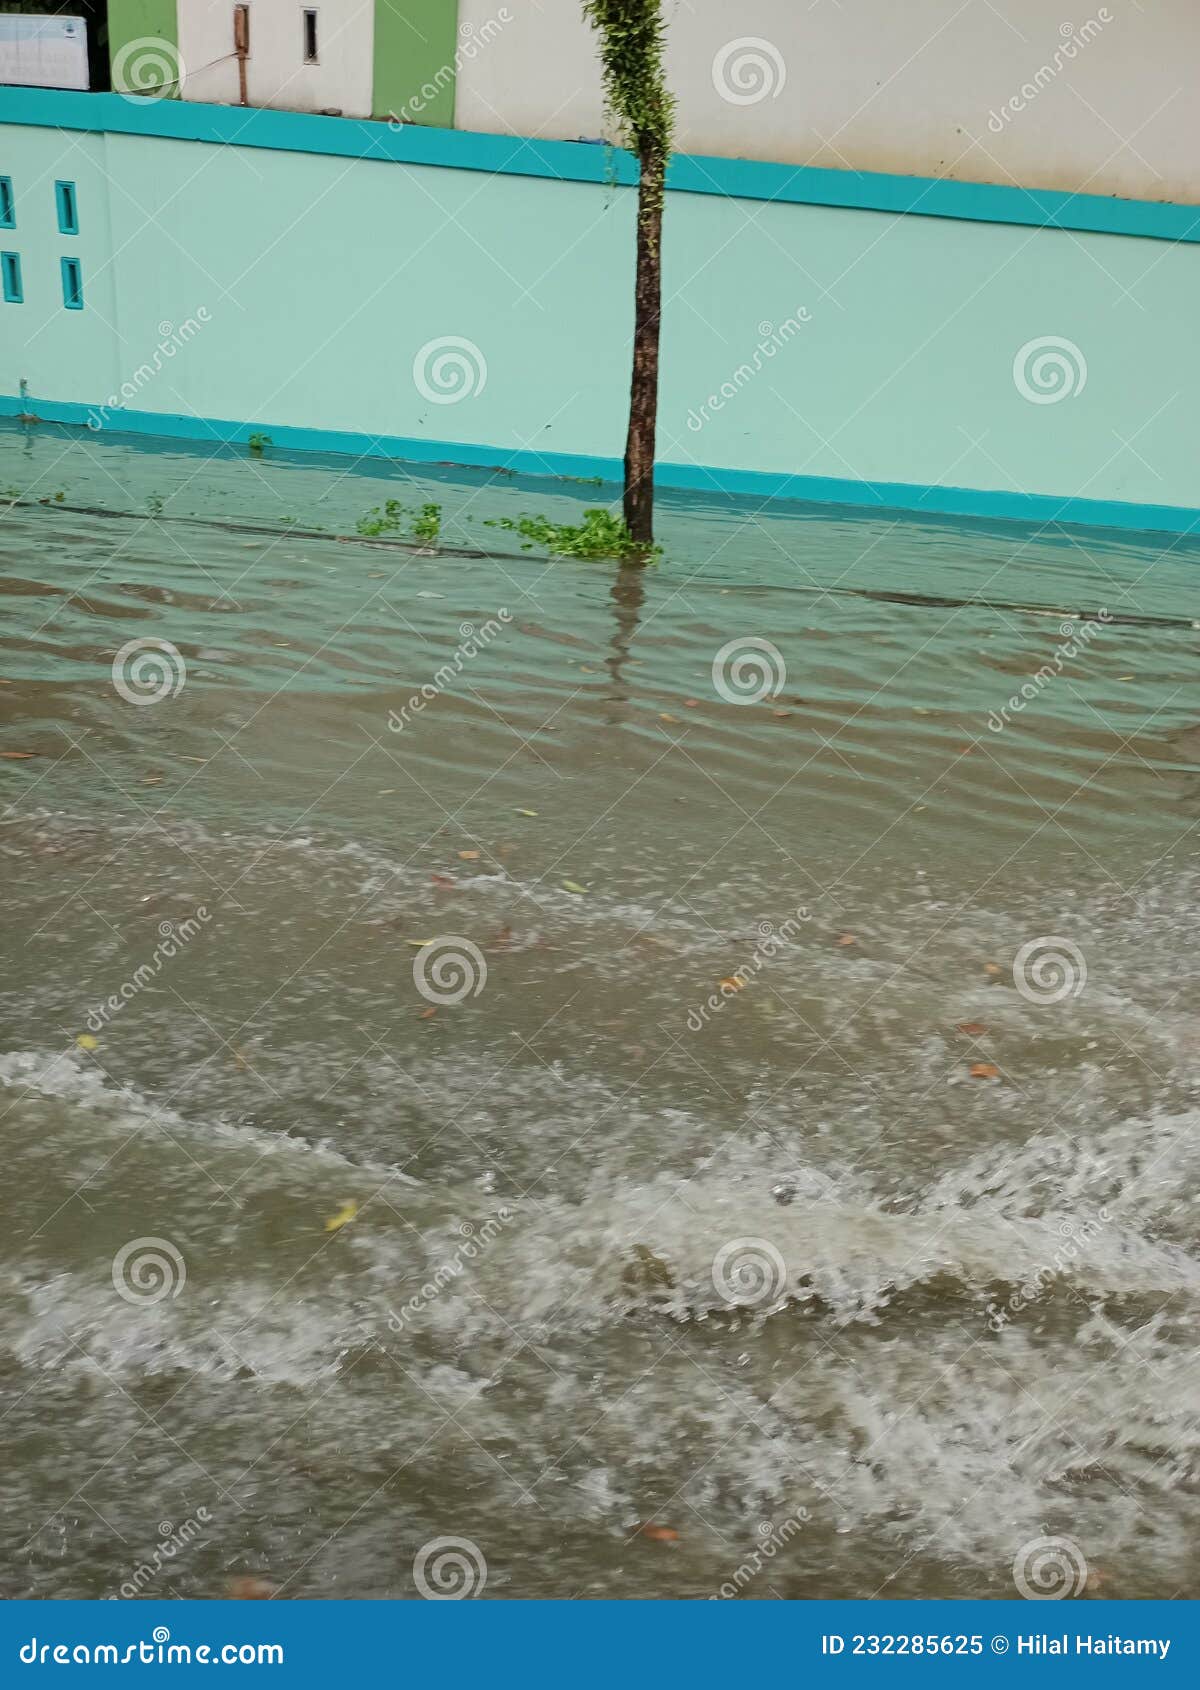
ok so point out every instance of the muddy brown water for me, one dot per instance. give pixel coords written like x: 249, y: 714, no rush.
x: 613, y: 1242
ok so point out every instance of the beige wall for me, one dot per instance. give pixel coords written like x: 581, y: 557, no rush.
x: 276, y: 74
x: 915, y: 87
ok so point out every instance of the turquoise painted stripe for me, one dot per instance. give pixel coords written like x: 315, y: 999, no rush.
x: 570, y: 161
x: 1037, y: 508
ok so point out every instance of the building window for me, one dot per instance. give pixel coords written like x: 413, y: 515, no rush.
x: 10, y: 272
x: 8, y: 206
x: 68, y: 213
x: 310, y: 36
x: 72, y: 284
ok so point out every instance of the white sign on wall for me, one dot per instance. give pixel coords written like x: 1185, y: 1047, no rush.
x: 39, y: 52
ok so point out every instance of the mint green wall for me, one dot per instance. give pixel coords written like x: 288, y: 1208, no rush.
x: 324, y: 277
x: 143, y: 22
x: 415, y: 44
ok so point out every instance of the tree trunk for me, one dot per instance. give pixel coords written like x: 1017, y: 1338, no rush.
x: 643, y: 391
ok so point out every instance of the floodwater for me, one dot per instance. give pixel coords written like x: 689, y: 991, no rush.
x: 417, y: 1177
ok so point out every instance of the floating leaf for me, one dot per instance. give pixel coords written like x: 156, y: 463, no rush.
x: 418, y: 944
x: 658, y: 1534
x: 573, y: 886
x: 733, y: 983
x: 992, y: 968
x: 17, y: 756
x: 469, y: 856
x: 346, y: 1213
x: 984, y: 1071
x: 847, y: 939
x: 973, y: 1028
x: 85, y: 1041
x: 426, y: 1014
x: 527, y: 812
x: 666, y: 716
x: 246, y: 1588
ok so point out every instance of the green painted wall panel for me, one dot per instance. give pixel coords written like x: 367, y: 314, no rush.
x: 415, y: 71
x: 143, y: 43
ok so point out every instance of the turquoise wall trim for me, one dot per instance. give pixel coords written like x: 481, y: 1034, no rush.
x: 568, y: 161
x: 810, y: 351
x: 1040, y: 510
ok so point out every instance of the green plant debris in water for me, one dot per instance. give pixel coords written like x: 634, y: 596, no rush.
x: 601, y: 534
x: 388, y: 518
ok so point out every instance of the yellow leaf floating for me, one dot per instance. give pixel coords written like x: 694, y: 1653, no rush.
x: 418, y: 944
x: 346, y: 1213
x: 85, y: 1041
x: 573, y: 886
x: 527, y: 812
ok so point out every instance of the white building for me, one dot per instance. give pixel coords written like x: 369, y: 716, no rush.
x: 299, y: 58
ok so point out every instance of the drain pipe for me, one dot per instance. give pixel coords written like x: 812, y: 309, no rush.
x: 241, y: 48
